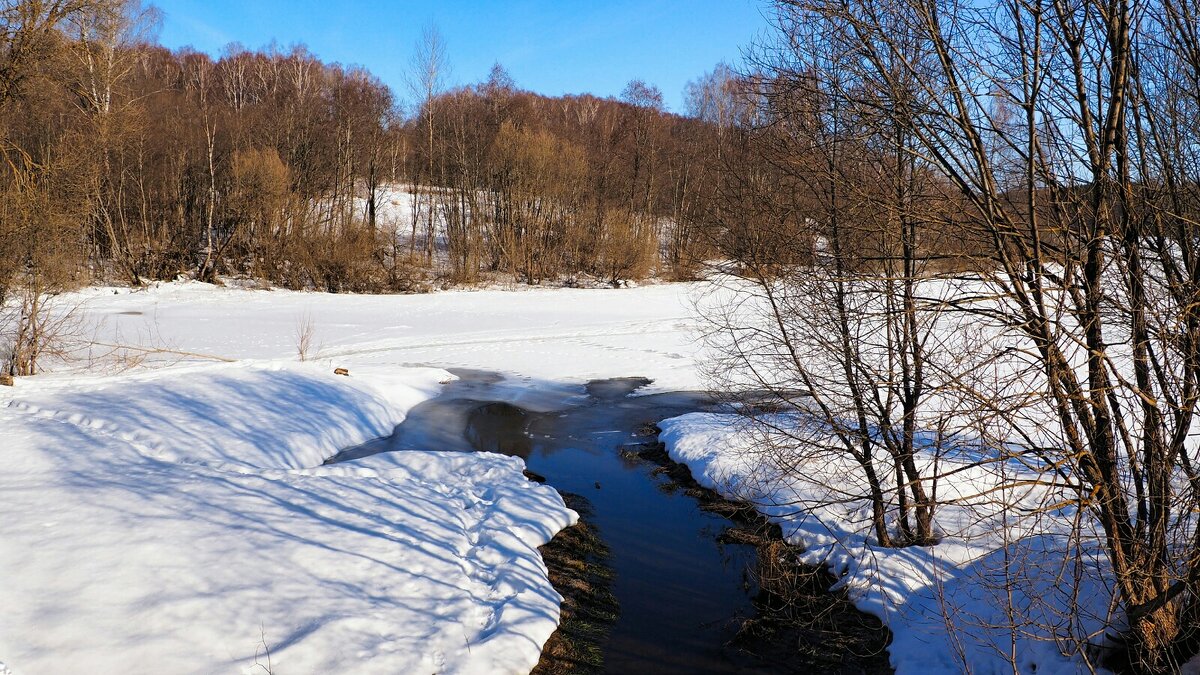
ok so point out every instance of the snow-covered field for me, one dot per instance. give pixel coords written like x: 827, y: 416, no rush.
x: 166, y: 509
x: 549, y: 334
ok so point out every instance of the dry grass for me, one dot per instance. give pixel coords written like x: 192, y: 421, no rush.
x: 577, y: 561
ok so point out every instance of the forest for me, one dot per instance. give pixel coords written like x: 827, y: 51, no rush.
x: 125, y: 161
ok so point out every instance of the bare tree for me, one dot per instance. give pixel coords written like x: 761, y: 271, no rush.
x: 27, y: 35
x: 105, y: 36
x: 1061, y: 127
x: 820, y: 218
x: 429, y: 71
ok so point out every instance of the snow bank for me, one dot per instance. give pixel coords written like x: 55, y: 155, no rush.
x: 986, y: 598
x: 180, y: 521
x: 256, y: 417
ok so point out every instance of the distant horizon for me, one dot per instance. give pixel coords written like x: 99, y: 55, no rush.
x: 575, y: 48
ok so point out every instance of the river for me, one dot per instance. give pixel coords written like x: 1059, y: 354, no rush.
x: 683, y: 593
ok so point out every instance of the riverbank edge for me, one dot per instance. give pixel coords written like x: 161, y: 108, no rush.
x: 802, y: 625
x: 577, y: 564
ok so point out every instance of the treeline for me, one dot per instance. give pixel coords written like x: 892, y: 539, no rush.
x: 123, y: 160
x: 540, y: 187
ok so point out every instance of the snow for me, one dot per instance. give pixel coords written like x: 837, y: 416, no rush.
x: 948, y: 606
x: 166, y: 506
x: 550, y: 334
x: 165, y: 500
x: 182, y: 518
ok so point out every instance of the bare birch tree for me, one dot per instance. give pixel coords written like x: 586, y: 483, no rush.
x: 430, y: 68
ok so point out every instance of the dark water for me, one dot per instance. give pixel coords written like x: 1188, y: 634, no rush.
x: 681, y: 592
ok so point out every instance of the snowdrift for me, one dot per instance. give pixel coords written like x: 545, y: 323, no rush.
x: 181, y: 521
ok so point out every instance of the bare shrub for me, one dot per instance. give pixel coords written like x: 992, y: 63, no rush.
x: 37, y: 329
x: 306, y: 334
x: 627, y: 247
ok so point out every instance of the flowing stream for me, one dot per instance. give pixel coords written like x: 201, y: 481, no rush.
x: 682, y: 593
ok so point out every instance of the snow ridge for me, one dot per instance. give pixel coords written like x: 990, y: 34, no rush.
x: 183, y: 519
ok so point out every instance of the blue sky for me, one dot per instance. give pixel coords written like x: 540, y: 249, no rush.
x: 568, y: 46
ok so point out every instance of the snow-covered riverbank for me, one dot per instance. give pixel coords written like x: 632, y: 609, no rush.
x: 181, y: 521
x: 176, y: 517
x: 1000, y: 593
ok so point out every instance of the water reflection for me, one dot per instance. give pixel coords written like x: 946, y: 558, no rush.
x: 499, y: 427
